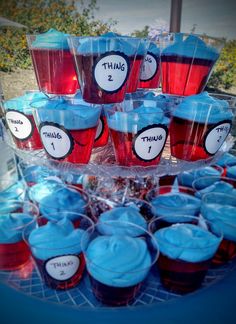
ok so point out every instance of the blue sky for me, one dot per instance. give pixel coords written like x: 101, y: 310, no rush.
x: 214, y: 17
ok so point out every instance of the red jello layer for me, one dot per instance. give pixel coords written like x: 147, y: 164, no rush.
x: 14, y: 255
x: 187, y: 139
x: 225, y: 252
x: 184, y: 76
x: 113, y: 296
x: 133, y: 79
x: 180, y: 276
x: 55, y: 71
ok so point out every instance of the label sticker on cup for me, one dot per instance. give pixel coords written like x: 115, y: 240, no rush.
x: 63, y: 267
x: 57, y: 141
x: 149, y: 142
x: 100, y: 129
x: 216, y: 136
x: 149, y: 67
x: 19, y: 124
x: 111, y: 71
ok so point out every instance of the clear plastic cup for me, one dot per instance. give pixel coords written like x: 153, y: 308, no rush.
x: 67, y: 129
x: 56, y: 250
x: 199, y: 128
x: 187, y: 246
x: 14, y: 252
x: 138, y: 134
x: 187, y: 61
x: 220, y: 209
x: 53, y: 63
x: 117, y: 265
x: 103, y: 66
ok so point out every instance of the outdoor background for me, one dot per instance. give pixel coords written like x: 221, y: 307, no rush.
x: 138, y: 18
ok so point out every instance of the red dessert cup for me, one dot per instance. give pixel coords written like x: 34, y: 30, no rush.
x: 187, y: 61
x: 53, y: 66
x: 186, y: 274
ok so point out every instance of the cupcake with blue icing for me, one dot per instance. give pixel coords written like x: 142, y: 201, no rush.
x: 57, y: 75
x: 67, y: 128
x: 186, y: 63
x: 199, y: 127
x: 138, y: 135
x: 150, y: 72
x: 104, y: 65
x: 20, y: 120
x: 220, y: 209
x: 117, y: 264
x: 56, y: 248
x: 14, y: 252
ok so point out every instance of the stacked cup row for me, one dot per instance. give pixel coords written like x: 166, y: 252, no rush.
x: 119, y: 242
x: 108, y: 66
x: 68, y: 127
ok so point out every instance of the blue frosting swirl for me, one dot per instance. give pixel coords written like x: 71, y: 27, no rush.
x: 203, y: 108
x: 118, y: 261
x: 187, y: 242
x: 226, y: 159
x: 52, y: 39
x: 12, y: 226
x: 68, y: 114
x: 222, y: 216
x: 14, y: 192
x: 154, y: 49
x: 218, y: 186
x: 192, y: 46
x: 103, y: 44
x: 187, y: 178
x: 23, y: 103
x: 64, y: 202
x: 171, y: 205
x: 55, y: 239
x: 43, y: 189
x: 137, y: 119
x: 231, y: 172
x: 122, y: 214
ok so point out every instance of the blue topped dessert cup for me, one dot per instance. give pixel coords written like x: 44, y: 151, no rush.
x: 67, y: 128
x: 187, y: 246
x: 103, y: 66
x: 118, y: 264
x: 187, y: 61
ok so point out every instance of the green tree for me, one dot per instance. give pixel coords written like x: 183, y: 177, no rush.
x: 71, y: 17
x: 141, y: 33
x: 224, y: 74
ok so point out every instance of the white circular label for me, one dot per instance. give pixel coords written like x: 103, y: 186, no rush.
x: 19, y: 124
x: 149, y: 68
x: 111, y: 72
x: 56, y: 140
x: 149, y: 142
x: 216, y: 137
x: 99, y: 129
x: 62, y: 267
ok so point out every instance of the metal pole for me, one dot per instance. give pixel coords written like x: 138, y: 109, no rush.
x: 175, y: 15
